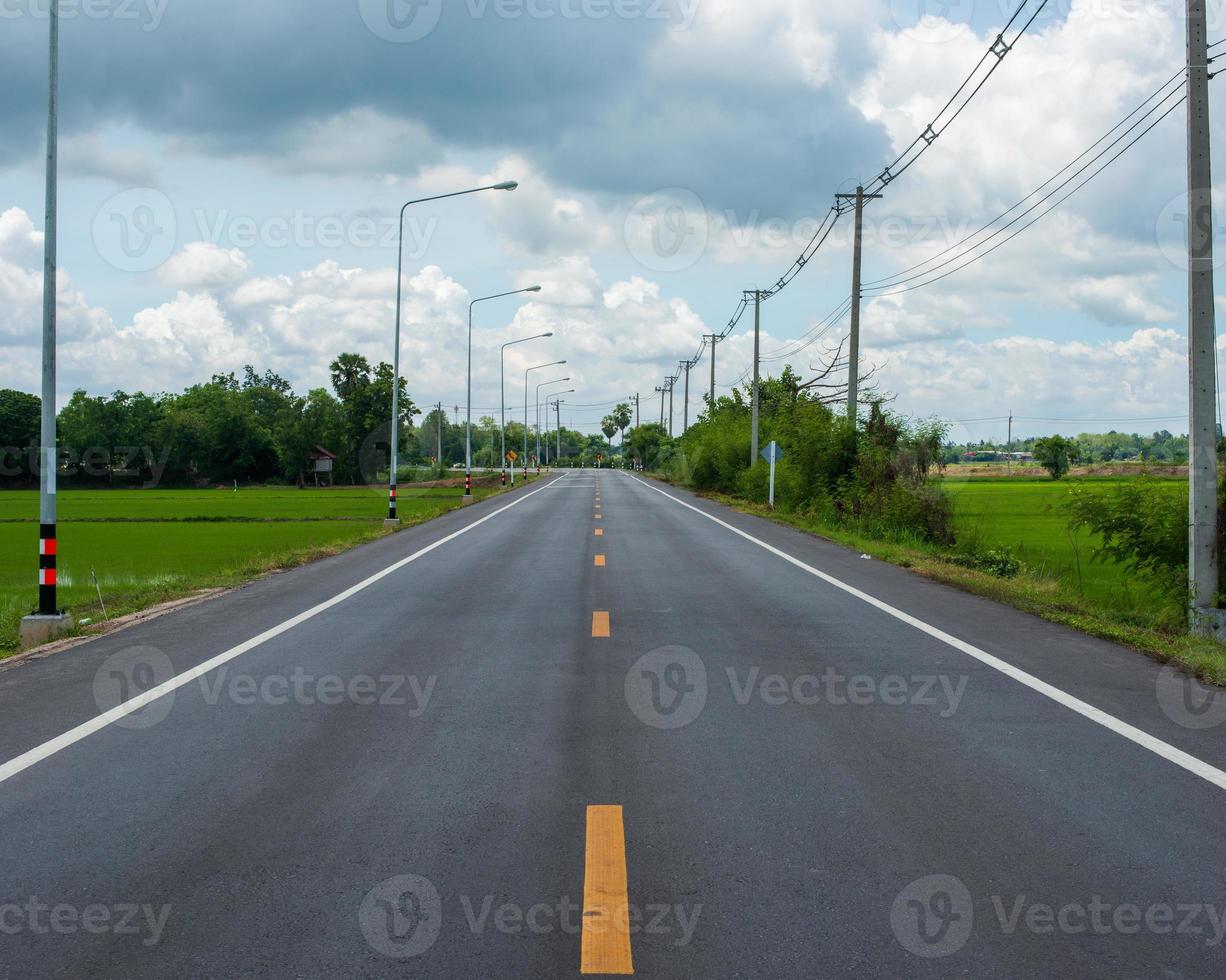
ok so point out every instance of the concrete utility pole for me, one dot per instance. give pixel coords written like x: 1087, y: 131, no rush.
x: 438, y: 430
x: 660, y: 391
x: 685, y: 408
x: 1202, y: 370
x: 714, y: 339
x: 672, y: 386
x: 558, y: 408
x: 757, y: 334
x: 637, y: 420
x: 49, y: 622
x: 1009, y: 446
x: 853, y: 352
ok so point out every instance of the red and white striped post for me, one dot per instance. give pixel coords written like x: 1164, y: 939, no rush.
x: 391, y: 504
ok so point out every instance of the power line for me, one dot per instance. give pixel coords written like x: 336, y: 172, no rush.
x: 998, y: 49
x: 905, y: 277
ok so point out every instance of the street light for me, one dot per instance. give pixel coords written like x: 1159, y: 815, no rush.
x: 556, y: 401
x: 539, y: 367
x: 502, y: 384
x: 543, y: 384
x: 506, y: 185
x: 468, y: 425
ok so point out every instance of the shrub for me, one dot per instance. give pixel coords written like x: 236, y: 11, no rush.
x: 1142, y: 526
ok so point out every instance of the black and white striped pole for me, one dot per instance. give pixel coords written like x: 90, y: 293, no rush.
x: 49, y: 620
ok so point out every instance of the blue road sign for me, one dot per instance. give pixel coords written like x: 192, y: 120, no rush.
x: 772, y: 453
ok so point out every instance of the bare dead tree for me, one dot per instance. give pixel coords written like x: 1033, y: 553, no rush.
x: 832, y: 366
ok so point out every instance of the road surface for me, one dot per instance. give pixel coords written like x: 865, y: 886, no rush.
x: 601, y: 726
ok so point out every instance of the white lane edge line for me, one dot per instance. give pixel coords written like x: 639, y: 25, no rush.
x: 83, y: 731
x: 1160, y: 748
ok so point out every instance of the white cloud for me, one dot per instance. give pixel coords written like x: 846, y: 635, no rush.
x: 201, y: 265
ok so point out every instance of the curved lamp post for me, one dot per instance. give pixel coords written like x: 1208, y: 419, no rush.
x: 543, y: 384
x: 506, y: 185
x: 502, y: 383
x: 468, y: 425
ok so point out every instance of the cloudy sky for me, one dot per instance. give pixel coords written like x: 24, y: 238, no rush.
x: 231, y: 173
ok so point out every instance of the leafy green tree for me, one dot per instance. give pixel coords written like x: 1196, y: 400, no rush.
x: 20, y: 422
x: 1056, y: 454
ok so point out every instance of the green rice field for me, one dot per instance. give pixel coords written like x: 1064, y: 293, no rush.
x: 150, y: 546
x: 1027, y: 515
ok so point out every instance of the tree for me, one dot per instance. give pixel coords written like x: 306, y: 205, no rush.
x: 1056, y: 454
x: 609, y: 427
x: 20, y: 422
x: 622, y: 417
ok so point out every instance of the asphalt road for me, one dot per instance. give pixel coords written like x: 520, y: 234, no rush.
x: 502, y: 745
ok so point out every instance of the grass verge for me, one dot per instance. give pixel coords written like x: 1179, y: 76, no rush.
x: 1038, y: 594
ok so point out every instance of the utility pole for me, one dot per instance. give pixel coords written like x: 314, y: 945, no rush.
x: 685, y: 410
x: 637, y: 420
x: 714, y: 339
x: 757, y: 334
x: 49, y: 622
x: 660, y: 391
x: 853, y: 353
x: 672, y: 386
x: 438, y: 430
x: 1202, y: 369
x: 1009, y: 447
x: 558, y: 408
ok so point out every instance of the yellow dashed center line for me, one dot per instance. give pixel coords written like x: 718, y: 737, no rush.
x: 606, y: 905
x: 600, y: 563
x: 600, y: 625
x: 599, y: 532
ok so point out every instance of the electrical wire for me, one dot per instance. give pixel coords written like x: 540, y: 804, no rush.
x: 998, y: 49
